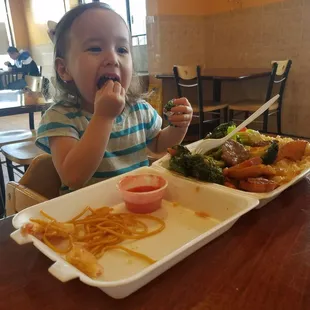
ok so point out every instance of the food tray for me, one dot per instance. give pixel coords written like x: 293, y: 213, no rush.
x: 264, y: 198
x: 185, y: 232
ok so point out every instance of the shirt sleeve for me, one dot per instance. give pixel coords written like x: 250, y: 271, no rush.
x: 55, y: 123
x: 152, y: 122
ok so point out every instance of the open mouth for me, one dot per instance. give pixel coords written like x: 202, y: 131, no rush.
x: 103, y: 79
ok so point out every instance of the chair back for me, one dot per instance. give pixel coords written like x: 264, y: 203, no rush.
x: 42, y: 177
x: 279, y: 76
x: 40, y: 70
x: 10, y: 77
x: 190, y: 77
x: 283, y: 70
x: 34, y: 83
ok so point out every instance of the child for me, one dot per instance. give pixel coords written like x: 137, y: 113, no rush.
x: 101, y: 128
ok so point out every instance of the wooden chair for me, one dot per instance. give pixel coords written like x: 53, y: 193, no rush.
x: 8, y: 137
x: 190, y: 77
x: 279, y: 76
x: 10, y: 77
x: 40, y: 183
x: 34, y: 83
x: 22, y: 154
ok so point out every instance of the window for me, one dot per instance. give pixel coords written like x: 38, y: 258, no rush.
x: 134, y: 13
x: 5, y: 34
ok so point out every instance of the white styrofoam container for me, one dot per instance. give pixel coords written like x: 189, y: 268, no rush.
x: 264, y: 198
x: 185, y: 232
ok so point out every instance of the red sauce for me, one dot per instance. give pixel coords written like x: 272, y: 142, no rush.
x: 143, y: 189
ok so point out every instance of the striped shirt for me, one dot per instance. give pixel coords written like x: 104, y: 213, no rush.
x: 137, y: 126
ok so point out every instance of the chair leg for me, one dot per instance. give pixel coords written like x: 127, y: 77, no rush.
x: 231, y: 115
x: 279, y: 124
x: 265, y: 122
x: 10, y: 169
x: 225, y: 115
x: 2, y: 188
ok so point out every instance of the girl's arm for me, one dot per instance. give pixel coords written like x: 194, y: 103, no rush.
x: 171, y: 135
x: 77, y: 160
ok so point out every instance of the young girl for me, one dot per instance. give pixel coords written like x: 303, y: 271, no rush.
x: 101, y: 128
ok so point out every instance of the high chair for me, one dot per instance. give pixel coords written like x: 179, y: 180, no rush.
x: 40, y: 183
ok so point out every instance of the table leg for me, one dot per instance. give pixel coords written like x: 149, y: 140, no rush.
x: 2, y: 191
x: 31, y: 120
x: 217, y: 87
x: 9, y: 165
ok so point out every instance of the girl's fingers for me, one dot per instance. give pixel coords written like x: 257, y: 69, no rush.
x: 182, y: 109
x: 181, y: 124
x: 108, y: 86
x: 123, y: 92
x: 117, y: 88
x: 181, y: 101
x: 180, y: 118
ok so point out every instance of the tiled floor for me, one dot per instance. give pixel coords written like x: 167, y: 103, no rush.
x: 13, y: 123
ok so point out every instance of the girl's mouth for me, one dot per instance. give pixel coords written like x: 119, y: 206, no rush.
x: 104, y: 78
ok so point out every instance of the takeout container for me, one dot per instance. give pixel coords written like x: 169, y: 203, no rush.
x: 186, y: 231
x: 264, y: 198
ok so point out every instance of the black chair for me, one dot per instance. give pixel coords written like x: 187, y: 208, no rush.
x: 190, y: 77
x: 278, y: 76
x: 9, y: 77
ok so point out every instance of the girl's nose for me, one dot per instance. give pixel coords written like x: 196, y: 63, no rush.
x: 110, y: 59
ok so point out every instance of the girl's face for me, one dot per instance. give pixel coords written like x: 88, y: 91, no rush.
x: 98, y: 49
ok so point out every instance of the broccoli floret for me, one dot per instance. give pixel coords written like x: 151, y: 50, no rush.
x: 215, y: 153
x: 168, y: 106
x: 209, y: 172
x: 197, y: 166
x: 177, y: 164
x: 179, y: 150
x: 249, y: 137
x: 218, y: 163
x: 220, y: 131
x: 271, y: 154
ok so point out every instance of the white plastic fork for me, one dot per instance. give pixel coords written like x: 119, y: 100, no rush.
x: 210, y: 144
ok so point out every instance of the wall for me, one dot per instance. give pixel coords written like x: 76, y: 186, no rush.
x: 247, y: 37
x: 20, y: 28
x: 200, y: 7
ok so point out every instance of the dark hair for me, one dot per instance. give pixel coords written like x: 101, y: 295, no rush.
x: 61, y: 42
x: 12, y: 49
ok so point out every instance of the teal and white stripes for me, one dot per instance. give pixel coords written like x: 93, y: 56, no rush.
x: 137, y: 126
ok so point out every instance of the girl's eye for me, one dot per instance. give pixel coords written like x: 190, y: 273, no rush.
x: 94, y: 49
x: 122, y: 50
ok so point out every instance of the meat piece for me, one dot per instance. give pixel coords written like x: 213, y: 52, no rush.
x: 250, y: 172
x: 258, y: 185
x: 293, y: 150
x: 234, y: 153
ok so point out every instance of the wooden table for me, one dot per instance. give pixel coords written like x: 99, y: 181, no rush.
x: 12, y: 103
x: 218, y: 75
x: 262, y: 263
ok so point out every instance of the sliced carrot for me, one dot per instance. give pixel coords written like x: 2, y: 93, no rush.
x: 171, y: 151
x: 293, y: 150
x: 258, y: 185
x: 251, y: 172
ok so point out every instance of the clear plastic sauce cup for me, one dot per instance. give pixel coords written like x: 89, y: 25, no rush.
x: 142, y: 193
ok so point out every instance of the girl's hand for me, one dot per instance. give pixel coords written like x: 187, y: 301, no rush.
x: 183, y: 113
x: 110, y: 100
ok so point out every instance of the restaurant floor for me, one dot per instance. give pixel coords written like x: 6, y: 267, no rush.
x: 12, y: 123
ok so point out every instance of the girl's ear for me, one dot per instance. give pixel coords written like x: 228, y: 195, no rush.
x: 62, y: 71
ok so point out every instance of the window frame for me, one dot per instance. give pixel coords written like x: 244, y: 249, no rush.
x: 129, y: 22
